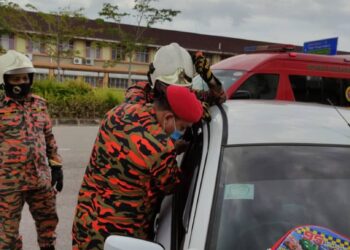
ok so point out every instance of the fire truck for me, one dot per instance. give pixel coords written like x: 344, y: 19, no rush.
x: 282, y: 74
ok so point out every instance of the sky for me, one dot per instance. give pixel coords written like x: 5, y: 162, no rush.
x: 280, y: 21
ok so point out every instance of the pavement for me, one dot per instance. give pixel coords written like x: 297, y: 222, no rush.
x: 75, y: 145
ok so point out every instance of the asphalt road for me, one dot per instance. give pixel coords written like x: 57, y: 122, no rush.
x: 75, y: 144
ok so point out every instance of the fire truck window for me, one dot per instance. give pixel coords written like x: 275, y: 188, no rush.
x: 320, y: 89
x: 261, y: 86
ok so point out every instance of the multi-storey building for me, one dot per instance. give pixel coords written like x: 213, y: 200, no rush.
x: 90, y: 64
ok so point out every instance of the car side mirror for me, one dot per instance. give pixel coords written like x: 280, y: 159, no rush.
x: 117, y: 242
x: 241, y: 94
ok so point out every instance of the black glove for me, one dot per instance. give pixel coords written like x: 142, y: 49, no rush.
x: 206, y: 115
x: 181, y: 146
x: 202, y: 67
x: 57, y: 177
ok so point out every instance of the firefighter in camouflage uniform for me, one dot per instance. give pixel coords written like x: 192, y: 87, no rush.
x: 133, y: 161
x: 28, y: 156
x: 132, y: 166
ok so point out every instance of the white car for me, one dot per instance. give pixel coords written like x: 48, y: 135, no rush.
x: 257, y: 170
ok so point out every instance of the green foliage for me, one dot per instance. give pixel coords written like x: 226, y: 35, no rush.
x: 74, y: 99
x: 144, y: 16
x: 54, y: 31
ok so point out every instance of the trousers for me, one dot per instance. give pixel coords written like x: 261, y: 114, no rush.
x: 42, y: 206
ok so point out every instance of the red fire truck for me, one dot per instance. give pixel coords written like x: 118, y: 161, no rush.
x: 285, y: 75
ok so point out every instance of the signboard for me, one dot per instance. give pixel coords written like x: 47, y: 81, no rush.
x: 324, y: 47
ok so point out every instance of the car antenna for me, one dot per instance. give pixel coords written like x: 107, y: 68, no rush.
x: 331, y: 103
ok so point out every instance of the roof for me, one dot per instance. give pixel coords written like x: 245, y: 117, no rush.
x: 188, y: 40
x: 248, y: 62
x: 251, y: 122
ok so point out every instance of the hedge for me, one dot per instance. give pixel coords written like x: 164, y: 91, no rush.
x: 76, y: 99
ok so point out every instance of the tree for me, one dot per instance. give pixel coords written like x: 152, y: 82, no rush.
x: 11, y: 19
x: 55, y: 30
x: 144, y: 16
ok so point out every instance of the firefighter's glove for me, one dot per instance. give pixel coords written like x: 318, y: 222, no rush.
x: 181, y: 146
x: 57, y: 177
x: 202, y: 67
x: 206, y: 115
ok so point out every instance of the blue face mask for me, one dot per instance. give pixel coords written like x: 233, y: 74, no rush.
x: 177, y: 134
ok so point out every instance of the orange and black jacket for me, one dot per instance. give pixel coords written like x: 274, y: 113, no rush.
x: 26, y: 144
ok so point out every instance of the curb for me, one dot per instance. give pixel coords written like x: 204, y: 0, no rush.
x: 75, y: 121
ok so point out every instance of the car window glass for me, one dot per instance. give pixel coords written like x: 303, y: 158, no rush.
x: 260, y: 86
x: 226, y: 77
x: 264, y: 191
x: 183, y: 197
x: 318, y: 89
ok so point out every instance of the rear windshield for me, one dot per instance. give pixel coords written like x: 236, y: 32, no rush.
x: 264, y: 191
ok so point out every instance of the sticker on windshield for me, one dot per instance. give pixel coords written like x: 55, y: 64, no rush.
x: 239, y: 192
x: 347, y: 94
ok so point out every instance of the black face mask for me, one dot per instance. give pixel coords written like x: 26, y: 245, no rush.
x: 19, y: 91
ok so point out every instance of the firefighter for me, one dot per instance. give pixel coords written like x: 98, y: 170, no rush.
x: 132, y: 166
x: 30, y: 167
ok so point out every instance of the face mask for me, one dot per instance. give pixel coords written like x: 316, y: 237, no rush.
x: 17, y: 91
x: 177, y: 134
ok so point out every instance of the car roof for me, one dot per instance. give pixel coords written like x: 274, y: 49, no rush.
x: 248, y: 62
x: 255, y: 122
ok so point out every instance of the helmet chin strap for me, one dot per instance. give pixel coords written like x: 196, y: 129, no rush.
x: 151, y: 69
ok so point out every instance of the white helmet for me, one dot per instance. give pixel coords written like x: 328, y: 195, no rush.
x: 14, y: 62
x: 172, y: 65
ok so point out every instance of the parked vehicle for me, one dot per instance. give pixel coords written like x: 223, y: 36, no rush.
x: 256, y: 171
x: 287, y: 76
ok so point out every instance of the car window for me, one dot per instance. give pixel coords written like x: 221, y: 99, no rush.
x: 264, y: 191
x: 318, y: 89
x: 183, y: 197
x: 226, y: 77
x: 260, y: 86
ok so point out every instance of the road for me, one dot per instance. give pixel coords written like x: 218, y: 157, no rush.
x: 75, y: 144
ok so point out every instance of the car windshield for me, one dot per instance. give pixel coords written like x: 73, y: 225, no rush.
x: 264, y: 191
x: 226, y: 77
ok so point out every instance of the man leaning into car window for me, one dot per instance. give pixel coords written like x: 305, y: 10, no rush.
x: 132, y: 166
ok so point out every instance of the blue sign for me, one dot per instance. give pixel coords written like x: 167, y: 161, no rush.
x: 325, y: 46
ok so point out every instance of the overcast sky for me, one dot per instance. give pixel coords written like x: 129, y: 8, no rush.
x: 282, y: 21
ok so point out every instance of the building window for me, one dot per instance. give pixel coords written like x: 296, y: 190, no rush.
x: 7, y: 41
x: 142, y: 56
x: 67, y: 46
x: 92, y: 51
x: 118, y: 54
x: 36, y: 47
x: 40, y: 76
x: 94, y: 81
x: 119, y: 83
x: 69, y: 77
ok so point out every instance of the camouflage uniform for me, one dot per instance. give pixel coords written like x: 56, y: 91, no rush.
x: 132, y: 166
x: 26, y: 143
